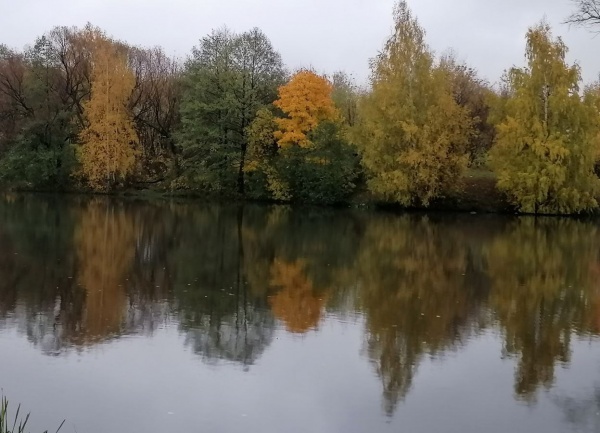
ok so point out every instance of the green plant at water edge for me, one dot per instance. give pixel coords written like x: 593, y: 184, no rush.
x: 18, y: 424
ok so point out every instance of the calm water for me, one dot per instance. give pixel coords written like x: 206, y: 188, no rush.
x: 125, y: 316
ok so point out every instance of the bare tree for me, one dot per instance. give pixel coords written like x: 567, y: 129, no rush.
x: 587, y: 14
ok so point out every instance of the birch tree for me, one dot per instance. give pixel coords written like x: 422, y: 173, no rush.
x: 545, y: 145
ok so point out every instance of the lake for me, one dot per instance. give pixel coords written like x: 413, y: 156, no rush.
x: 140, y: 316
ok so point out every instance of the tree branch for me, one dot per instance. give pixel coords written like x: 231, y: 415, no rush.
x: 587, y: 14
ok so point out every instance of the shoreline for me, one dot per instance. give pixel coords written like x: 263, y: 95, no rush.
x: 477, y: 193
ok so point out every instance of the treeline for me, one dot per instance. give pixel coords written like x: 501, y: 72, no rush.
x: 80, y: 110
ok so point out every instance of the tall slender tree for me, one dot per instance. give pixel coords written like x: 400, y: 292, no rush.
x: 109, y: 142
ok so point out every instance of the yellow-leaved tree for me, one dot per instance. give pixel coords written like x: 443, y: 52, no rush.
x: 412, y: 134
x: 109, y: 141
x: 546, y: 139
x: 306, y: 100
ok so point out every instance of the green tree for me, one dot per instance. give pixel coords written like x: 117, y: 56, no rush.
x: 544, y: 150
x: 345, y: 96
x: 227, y: 80
x: 325, y: 172
x: 37, y: 121
x: 412, y: 133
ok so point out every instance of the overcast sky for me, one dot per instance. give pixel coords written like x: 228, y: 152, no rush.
x: 326, y: 34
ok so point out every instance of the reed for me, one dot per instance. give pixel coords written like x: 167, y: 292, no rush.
x: 18, y: 424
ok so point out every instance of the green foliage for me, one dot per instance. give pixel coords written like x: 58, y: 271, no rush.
x: 227, y: 80
x: 37, y: 168
x: 345, y: 96
x: 323, y: 173
x: 411, y: 132
x: 545, y: 146
x: 38, y: 155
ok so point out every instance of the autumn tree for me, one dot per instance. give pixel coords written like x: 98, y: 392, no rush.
x: 154, y: 104
x: 306, y: 101
x: 474, y: 94
x: 545, y: 146
x: 228, y: 78
x: 109, y: 142
x: 412, y: 133
x: 315, y: 162
x: 261, y: 172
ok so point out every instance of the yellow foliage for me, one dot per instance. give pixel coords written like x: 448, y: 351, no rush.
x: 262, y: 150
x: 546, y: 141
x: 109, y: 142
x: 412, y: 133
x: 306, y: 100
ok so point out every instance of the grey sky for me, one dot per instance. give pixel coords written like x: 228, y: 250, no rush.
x: 325, y: 34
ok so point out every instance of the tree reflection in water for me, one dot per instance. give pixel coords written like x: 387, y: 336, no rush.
x: 78, y: 272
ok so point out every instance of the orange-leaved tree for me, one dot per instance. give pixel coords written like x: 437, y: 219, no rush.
x: 109, y: 141
x: 306, y: 100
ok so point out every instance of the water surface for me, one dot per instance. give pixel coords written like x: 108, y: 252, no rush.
x: 132, y: 316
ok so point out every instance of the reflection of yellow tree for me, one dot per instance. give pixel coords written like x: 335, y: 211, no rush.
x: 414, y: 296
x: 542, y: 293
x: 10, y: 274
x: 295, y: 303
x: 105, y: 240
x: 593, y: 322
